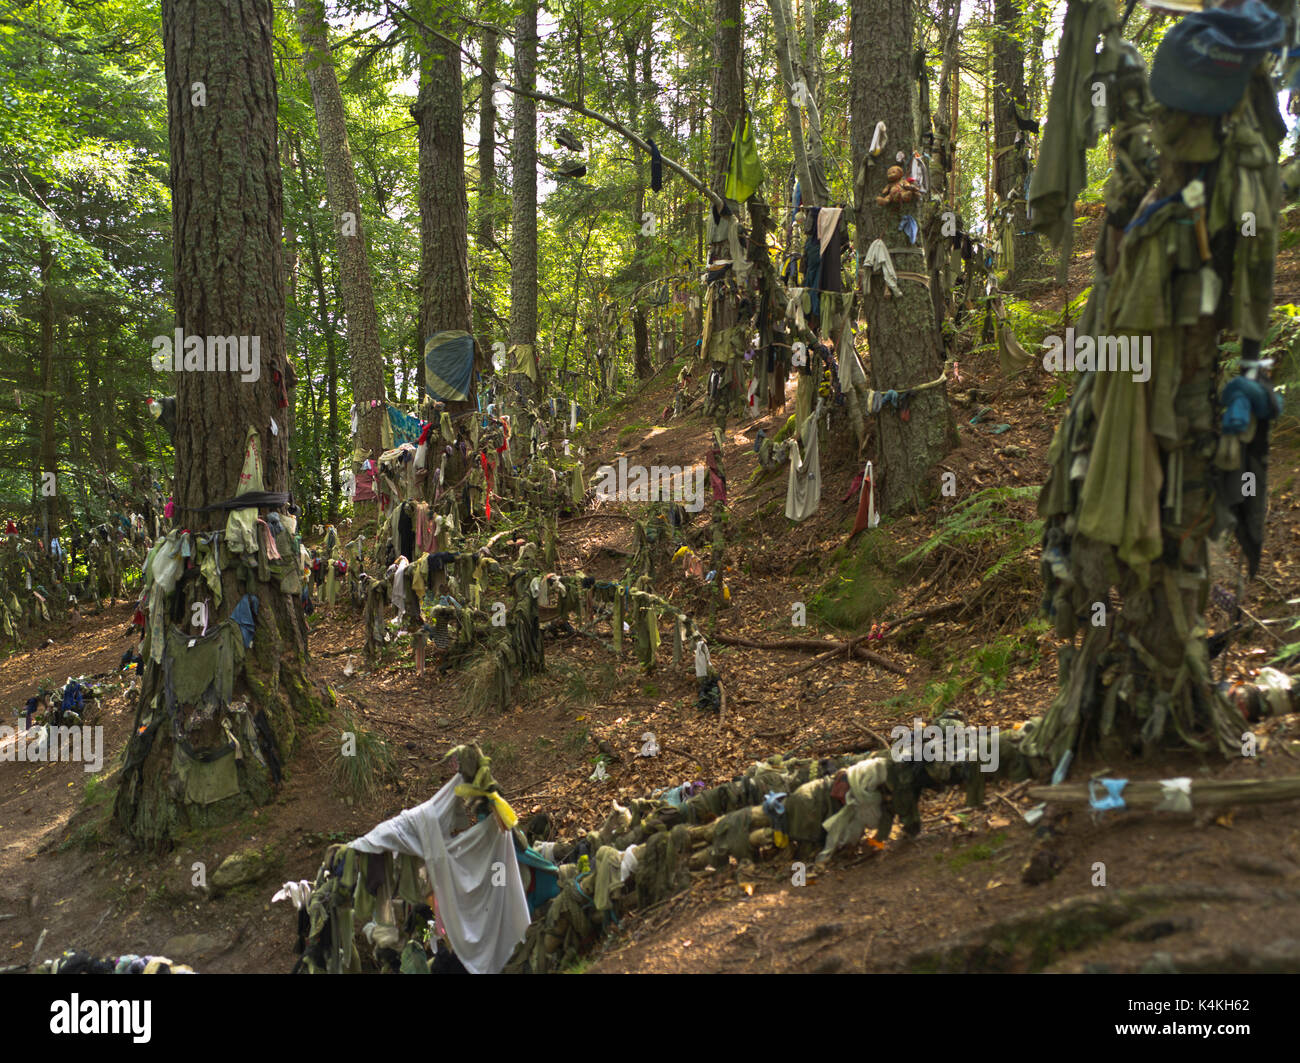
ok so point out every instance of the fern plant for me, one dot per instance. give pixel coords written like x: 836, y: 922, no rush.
x: 985, y: 520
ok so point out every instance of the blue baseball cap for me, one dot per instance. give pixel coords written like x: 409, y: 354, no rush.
x: 1205, y: 61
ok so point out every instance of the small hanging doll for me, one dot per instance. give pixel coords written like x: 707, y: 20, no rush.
x: 899, y: 191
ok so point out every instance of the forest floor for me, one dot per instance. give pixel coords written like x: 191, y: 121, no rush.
x: 1194, y: 891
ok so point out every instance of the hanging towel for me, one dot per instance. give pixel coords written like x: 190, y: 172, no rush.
x: 449, y: 365
x: 804, y: 487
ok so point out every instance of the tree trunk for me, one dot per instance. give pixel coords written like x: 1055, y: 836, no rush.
x: 345, y: 206
x: 904, y: 342
x: 812, y: 178
x: 325, y: 320
x: 640, y: 334
x: 728, y: 105
x: 48, y: 456
x: 487, y: 192
x: 728, y: 87
x: 523, y: 224
x: 1010, y: 148
x: 444, y: 209
x: 226, y: 238
x: 942, y: 175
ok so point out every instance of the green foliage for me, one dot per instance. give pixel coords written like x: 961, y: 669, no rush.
x: 978, y: 852
x: 361, y: 775
x: 1059, y: 392
x: 985, y: 519
x: 627, y: 431
x: 1029, y: 325
x: 95, y: 792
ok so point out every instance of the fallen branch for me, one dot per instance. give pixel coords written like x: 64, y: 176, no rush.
x: 817, y: 646
x: 822, y: 657
x: 1149, y: 793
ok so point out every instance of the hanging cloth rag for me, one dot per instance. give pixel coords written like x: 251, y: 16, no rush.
x: 717, y: 481
x: 241, y: 525
x: 878, y: 259
x: 827, y: 219
x: 524, y: 360
x: 867, y: 515
x: 804, y: 487
x: 449, y: 365
x: 484, y: 919
x: 703, y: 664
x: 656, y: 167
x: 488, y: 480
x: 744, y: 167
x: 920, y: 172
x: 878, y: 139
x: 404, y: 427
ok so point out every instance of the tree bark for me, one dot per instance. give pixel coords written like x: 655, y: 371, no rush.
x: 1011, y: 159
x: 942, y: 166
x: 904, y: 341
x: 364, y: 352
x: 444, y: 208
x: 523, y: 222
x: 226, y: 239
x: 728, y: 88
x: 48, y: 458
x: 812, y: 178
x: 485, y: 236
x: 640, y: 334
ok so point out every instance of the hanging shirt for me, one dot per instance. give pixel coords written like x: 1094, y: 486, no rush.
x: 484, y: 920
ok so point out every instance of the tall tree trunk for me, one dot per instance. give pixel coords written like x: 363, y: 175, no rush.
x: 523, y: 226
x: 943, y: 158
x: 1010, y: 150
x: 48, y: 459
x: 904, y: 340
x: 444, y: 209
x: 640, y: 334
x: 325, y: 320
x: 728, y: 105
x: 486, y: 213
x: 366, y: 357
x: 812, y: 179
x: 226, y: 239
x: 728, y: 87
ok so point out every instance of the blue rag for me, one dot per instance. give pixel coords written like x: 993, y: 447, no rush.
x: 1112, y: 799
x: 1243, y: 397
x: 907, y: 224
x: 774, y: 806
x: 244, y: 614
x: 406, y: 429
